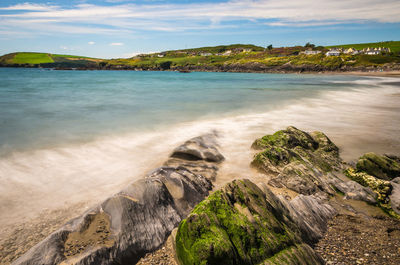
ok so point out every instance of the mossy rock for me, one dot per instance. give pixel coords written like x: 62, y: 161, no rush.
x: 381, y: 167
x: 382, y: 188
x: 240, y: 224
x: 289, y: 138
x: 292, y: 144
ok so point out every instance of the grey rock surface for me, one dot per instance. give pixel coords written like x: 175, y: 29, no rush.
x: 353, y: 190
x: 136, y: 220
x: 395, y: 196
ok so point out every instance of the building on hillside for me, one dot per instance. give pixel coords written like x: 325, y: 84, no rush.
x: 228, y: 52
x: 205, y: 54
x: 161, y: 55
x: 373, y: 52
x: 247, y: 50
x: 310, y: 52
x: 333, y: 52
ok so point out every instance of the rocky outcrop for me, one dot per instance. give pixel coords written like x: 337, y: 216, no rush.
x: 311, y: 215
x: 240, y: 224
x: 384, y: 167
x: 200, y: 155
x: 135, y: 221
x: 297, y: 160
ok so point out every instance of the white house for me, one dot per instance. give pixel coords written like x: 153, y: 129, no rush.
x: 310, y: 52
x: 205, y: 54
x: 333, y: 53
x: 373, y: 52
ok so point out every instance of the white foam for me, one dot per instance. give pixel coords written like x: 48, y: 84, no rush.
x: 358, y: 120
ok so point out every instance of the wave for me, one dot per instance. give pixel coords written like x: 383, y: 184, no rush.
x: 358, y: 120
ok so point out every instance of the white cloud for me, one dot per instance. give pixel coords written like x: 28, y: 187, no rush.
x: 91, y: 42
x: 30, y: 7
x: 126, y: 18
x: 116, y: 44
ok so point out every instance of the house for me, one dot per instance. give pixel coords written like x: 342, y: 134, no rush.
x: 373, y: 52
x: 247, y: 50
x: 349, y: 51
x: 160, y: 55
x: 310, y: 52
x: 205, y: 54
x: 333, y: 53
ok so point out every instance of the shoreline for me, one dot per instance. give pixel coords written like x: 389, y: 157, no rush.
x: 233, y: 167
x: 366, y: 72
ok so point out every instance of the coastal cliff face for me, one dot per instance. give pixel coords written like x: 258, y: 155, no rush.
x: 242, y: 222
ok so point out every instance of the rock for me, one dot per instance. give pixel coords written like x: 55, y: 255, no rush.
x: 381, y: 188
x: 298, y: 161
x: 395, y: 196
x: 198, y: 155
x: 199, y: 148
x: 131, y: 223
x: 312, y: 215
x: 353, y: 190
x: 240, y: 224
x: 383, y: 167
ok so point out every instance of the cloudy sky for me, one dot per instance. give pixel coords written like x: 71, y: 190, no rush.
x: 122, y: 28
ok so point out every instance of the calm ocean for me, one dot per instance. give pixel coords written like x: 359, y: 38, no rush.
x: 73, y: 136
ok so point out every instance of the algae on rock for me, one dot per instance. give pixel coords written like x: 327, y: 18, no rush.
x: 382, y: 188
x: 240, y: 224
x: 297, y: 160
x: 383, y: 167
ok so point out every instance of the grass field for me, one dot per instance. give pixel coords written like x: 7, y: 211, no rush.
x: 31, y: 58
x: 393, y: 45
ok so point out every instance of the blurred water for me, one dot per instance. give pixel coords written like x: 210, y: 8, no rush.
x: 79, y: 136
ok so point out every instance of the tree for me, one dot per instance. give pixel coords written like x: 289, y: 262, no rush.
x: 269, y: 47
x: 309, y: 45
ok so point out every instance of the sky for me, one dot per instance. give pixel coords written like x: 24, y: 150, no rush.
x: 122, y: 28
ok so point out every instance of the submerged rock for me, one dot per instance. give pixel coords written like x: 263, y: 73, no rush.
x: 133, y: 222
x: 385, y: 167
x: 240, y: 224
x: 299, y: 161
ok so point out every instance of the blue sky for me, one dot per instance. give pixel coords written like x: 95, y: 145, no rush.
x: 121, y: 28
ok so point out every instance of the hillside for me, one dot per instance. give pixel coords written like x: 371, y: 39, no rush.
x: 46, y: 60
x: 232, y: 58
x: 393, y: 45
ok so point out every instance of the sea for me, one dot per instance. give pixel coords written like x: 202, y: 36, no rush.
x: 68, y: 137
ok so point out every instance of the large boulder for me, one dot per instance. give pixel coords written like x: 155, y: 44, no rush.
x: 298, y: 160
x: 200, y: 155
x: 240, y: 224
x: 133, y: 222
x: 385, y: 167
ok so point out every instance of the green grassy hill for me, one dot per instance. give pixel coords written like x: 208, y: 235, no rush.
x: 393, y: 45
x: 36, y: 58
x: 240, y: 56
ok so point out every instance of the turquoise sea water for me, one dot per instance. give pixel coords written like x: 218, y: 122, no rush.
x: 41, y: 108
x: 68, y: 137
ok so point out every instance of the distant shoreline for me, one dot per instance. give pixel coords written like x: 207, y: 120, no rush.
x: 359, y: 72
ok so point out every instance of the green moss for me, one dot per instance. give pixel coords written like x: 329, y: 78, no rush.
x: 286, y: 146
x: 381, y: 188
x: 234, y: 225
x: 379, y: 166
